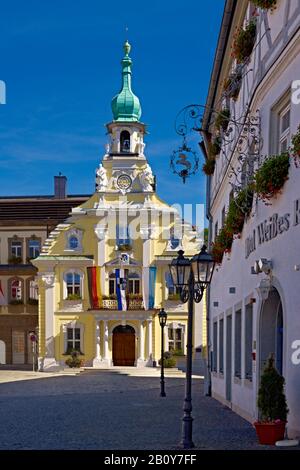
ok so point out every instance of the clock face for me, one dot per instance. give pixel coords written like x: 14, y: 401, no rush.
x: 124, y: 182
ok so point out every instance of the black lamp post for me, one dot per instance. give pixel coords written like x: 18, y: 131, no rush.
x: 162, y: 321
x: 191, y: 277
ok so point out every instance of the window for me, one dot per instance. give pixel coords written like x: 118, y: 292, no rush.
x: 223, y: 216
x: 221, y: 347
x: 238, y: 344
x: 284, y: 129
x: 125, y: 141
x: 34, y: 248
x: 122, y: 235
x: 73, y: 339
x: 73, y: 281
x: 16, y: 248
x: 73, y: 243
x: 33, y: 290
x: 16, y: 290
x: 73, y: 239
x: 215, y: 347
x: 134, y: 286
x: 216, y: 230
x: 172, y: 290
x: 112, y: 286
x: 248, y: 341
x: 175, y: 338
x: 280, y: 124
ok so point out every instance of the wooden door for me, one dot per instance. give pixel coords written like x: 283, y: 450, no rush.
x: 123, y: 349
x: 18, y: 347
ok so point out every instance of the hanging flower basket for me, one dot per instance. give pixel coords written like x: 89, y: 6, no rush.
x: 265, y: 4
x: 243, y: 43
x: 214, y: 147
x: 232, y: 84
x: 239, y: 208
x: 271, y: 176
x: 209, y: 166
x: 295, y: 147
x: 222, y: 244
x: 222, y: 119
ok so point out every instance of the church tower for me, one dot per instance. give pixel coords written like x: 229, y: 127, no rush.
x: 124, y: 168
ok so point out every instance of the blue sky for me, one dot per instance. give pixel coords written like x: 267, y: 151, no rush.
x: 60, y: 60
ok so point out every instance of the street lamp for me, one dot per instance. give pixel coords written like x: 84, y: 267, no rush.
x: 162, y: 321
x: 191, y: 277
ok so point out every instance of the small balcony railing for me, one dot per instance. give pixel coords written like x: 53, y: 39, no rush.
x: 133, y: 303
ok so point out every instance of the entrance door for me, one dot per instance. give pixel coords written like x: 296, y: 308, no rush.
x: 18, y: 347
x: 123, y: 346
x: 2, y: 352
x: 271, y: 331
x: 228, y: 357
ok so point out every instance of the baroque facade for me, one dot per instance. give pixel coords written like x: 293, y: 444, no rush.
x: 254, y: 295
x: 103, y: 274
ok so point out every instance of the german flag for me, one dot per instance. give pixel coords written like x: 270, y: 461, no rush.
x: 94, y: 286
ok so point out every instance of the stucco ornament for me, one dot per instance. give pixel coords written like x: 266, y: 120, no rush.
x: 101, y: 179
x: 48, y: 279
x: 147, y: 179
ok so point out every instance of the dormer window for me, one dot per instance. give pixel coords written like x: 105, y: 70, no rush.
x: 125, y: 141
x: 74, y: 240
x: 73, y: 243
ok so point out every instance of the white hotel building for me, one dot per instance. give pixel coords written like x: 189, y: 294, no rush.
x: 254, y: 312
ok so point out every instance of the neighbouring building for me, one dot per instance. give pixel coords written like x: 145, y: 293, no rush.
x: 103, y: 274
x: 25, y: 224
x: 254, y: 295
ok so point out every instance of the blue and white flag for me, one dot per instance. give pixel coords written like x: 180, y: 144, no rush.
x: 121, y: 289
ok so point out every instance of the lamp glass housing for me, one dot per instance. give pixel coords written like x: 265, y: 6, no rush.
x: 203, y: 266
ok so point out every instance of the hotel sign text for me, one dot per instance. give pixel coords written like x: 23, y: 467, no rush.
x: 271, y: 228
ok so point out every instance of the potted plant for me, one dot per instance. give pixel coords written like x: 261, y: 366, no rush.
x: 74, y: 297
x: 271, y: 176
x: 214, y: 147
x: 222, y: 119
x: 265, y: 4
x: 169, y: 360
x: 222, y: 243
x: 232, y: 84
x: 239, y: 208
x: 272, y: 406
x: 295, y: 147
x: 74, y: 360
x: 209, y: 166
x: 16, y: 302
x: 243, y: 43
x: 15, y: 260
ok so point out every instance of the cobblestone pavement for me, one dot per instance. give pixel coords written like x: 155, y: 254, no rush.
x: 104, y: 410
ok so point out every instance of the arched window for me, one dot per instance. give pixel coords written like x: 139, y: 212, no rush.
x: 16, y: 290
x: 125, y: 141
x: 73, y: 242
x: 73, y: 285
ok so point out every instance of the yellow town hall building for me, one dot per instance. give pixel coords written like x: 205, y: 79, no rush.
x: 103, y: 274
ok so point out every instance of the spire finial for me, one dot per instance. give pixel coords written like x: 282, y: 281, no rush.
x: 127, y: 47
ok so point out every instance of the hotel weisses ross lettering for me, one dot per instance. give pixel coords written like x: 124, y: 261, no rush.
x: 271, y: 228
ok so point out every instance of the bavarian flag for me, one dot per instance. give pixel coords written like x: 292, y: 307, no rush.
x: 93, y: 273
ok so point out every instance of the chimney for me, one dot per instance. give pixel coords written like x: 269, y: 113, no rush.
x: 60, y: 184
